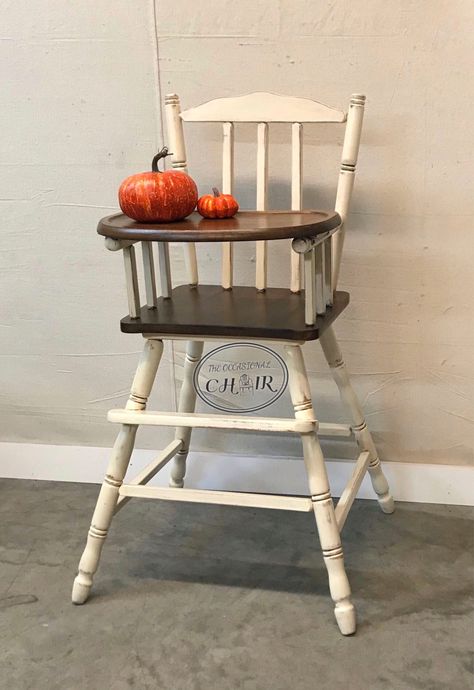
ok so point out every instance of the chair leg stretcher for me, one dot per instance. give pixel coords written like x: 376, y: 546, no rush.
x: 226, y: 498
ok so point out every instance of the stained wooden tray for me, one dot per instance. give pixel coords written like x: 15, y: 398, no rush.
x: 245, y: 226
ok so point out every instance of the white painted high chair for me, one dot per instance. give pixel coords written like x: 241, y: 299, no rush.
x: 199, y: 313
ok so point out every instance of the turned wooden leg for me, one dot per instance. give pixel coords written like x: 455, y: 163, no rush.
x: 321, y: 496
x: 363, y: 436
x: 187, y: 403
x: 117, y: 467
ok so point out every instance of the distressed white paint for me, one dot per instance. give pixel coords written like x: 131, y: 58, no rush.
x: 350, y: 491
x: 131, y: 281
x: 152, y: 469
x: 116, y: 470
x: 225, y: 498
x: 363, y: 436
x: 309, y: 287
x: 328, y: 291
x: 210, y: 421
x: 114, y: 492
x: 175, y: 135
x: 149, y: 273
x: 186, y: 403
x: 350, y: 152
x: 320, y: 281
x: 323, y: 506
x: 262, y: 203
x: 330, y: 429
x: 263, y: 107
x: 407, y: 336
x: 227, y: 188
x: 296, y: 197
x: 164, y: 267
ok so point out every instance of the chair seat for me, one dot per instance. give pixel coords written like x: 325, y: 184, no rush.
x: 209, y: 310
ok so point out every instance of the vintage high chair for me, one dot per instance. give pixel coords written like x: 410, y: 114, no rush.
x: 199, y: 313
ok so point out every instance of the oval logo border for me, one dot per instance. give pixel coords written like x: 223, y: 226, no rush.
x: 229, y: 346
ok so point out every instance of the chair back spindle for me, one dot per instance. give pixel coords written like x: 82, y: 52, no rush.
x: 131, y: 278
x: 227, y: 188
x: 296, y: 196
x: 328, y: 292
x: 262, y: 203
x: 309, y: 286
x: 149, y: 274
x: 165, y: 269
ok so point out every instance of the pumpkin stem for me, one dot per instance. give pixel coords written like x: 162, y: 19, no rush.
x: 161, y: 154
x: 216, y: 192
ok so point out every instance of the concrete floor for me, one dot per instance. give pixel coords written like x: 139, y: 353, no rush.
x: 195, y: 597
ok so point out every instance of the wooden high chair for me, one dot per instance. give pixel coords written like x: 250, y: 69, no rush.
x: 199, y: 313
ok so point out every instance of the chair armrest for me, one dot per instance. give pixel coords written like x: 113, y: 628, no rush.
x: 115, y: 245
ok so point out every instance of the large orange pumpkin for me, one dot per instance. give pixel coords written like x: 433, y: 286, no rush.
x: 158, y: 197
x: 217, y: 205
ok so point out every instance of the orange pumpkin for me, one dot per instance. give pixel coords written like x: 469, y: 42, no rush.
x: 158, y: 197
x: 217, y: 205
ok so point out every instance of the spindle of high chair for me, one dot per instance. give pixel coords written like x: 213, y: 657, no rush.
x: 228, y: 188
x: 262, y: 202
x: 149, y: 274
x: 350, y: 152
x: 296, y: 196
x: 179, y: 162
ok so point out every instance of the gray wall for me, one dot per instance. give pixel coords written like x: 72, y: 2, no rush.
x: 81, y: 111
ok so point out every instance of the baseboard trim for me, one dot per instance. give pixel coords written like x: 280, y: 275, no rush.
x: 419, y: 483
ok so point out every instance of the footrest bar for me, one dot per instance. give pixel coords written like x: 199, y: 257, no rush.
x: 212, y: 421
x: 150, y: 470
x: 350, y: 492
x: 228, y: 498
x: 326, y: 429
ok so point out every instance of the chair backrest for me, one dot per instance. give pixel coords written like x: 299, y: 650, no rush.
x: 263, y: 109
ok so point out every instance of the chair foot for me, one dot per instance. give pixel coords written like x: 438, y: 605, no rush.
x: 346, y: 617
x: 381, y: 488
x: 80, y: 590
x: 387, y: 504
x: 344, y: 609
x: 178, y: 469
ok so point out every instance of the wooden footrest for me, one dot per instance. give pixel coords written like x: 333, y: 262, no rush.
x: 228, y: 498
x: 212, y: 421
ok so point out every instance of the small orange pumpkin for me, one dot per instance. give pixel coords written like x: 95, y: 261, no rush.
x: 217, y: 205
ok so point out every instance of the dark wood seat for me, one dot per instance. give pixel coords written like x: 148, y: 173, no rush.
x: 209, y: 310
